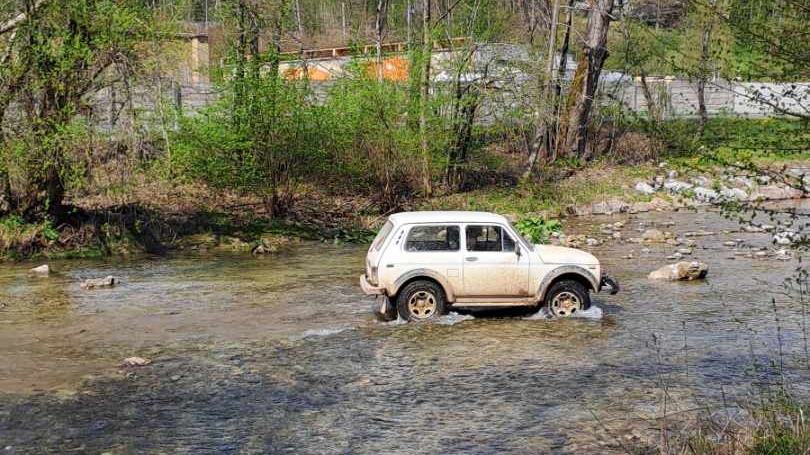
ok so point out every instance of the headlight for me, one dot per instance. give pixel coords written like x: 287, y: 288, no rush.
x: 373, y: 276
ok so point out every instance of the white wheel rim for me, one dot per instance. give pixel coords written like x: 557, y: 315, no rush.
x: 565, y: 304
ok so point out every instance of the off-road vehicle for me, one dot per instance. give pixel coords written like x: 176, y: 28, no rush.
x: 424, y: 263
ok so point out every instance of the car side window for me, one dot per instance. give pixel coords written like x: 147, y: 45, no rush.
x: 433, y: 238
x: 488, y: 238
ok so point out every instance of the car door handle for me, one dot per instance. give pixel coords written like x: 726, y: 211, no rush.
x: 471, y: 259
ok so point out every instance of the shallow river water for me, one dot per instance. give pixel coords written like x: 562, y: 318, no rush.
x: 283, y: 355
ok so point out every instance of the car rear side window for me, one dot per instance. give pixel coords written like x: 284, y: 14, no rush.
x: 381, y: 236
x: 433, y: 238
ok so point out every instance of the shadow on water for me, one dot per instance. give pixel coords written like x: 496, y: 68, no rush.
x: 283, y: 354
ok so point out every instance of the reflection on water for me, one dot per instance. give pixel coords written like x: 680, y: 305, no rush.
x: 283, y: 354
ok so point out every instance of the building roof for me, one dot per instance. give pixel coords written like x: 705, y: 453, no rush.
x: 446, y: 217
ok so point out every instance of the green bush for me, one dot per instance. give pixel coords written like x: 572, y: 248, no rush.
x: 538, y: 230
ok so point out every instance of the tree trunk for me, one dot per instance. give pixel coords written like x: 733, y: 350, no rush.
x: 705, y: 55
x: 586, y: 79
x: 427, y: 51
x: 540, y: 140
x: 654, y: 110
x: 382, y: 13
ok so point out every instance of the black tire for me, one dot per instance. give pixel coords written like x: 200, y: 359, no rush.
x: 428, y: 292
x: 572, y: 288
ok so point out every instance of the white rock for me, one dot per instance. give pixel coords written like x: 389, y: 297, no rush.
x: 682, y: 271
x: 676, y: 186
x: 786, y: 238
x: 705, y: 194
x: 733, y: 194
x: 106, y: 282
x: 41, y: 270
x: 644, y: 188
x: 136, y: 362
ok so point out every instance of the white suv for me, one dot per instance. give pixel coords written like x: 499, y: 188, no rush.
x: 421, y: 262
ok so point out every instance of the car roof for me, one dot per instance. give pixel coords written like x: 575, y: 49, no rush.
x: 446, y: 217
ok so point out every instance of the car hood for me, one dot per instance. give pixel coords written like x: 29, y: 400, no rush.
x: 561, y: 255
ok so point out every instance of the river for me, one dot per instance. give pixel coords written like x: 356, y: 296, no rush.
x: 283, y: 355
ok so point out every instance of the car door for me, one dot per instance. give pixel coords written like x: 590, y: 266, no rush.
x: 493, y: 266
x: 434, y: 247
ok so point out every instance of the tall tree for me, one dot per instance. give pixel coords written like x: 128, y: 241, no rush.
x: 57, y: 54
x: 574, y: 130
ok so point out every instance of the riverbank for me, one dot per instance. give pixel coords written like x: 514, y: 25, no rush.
x: 155, y: 218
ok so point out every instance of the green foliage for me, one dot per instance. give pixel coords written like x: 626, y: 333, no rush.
x: 536, y: 229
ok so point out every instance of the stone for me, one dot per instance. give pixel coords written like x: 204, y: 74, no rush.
x: 653, y: 235
x: 730, y: 243
x: 645, y: 250
x: 733, y: 194
x: 783, y: 255
x: 672, y: 175
x: 681, y: 271
x: 674, y: 257
x: 617, y: 235
x: 136, y: 362
x: 775, y: 193
x: 591, y: 242
x: 705, y: 194
x: 676, y: 186
x: 752, y: 228
x: 93, y: 283
x: 701, y: 181
x: 684, y: 250
x: 644, y: 188
x: 786, y: 238
x: 609, y: 207
x: 41, y: 270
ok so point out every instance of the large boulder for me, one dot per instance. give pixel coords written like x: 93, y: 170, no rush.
x: 681, y: 271
x: 775, y: 193
x: 609, y: 207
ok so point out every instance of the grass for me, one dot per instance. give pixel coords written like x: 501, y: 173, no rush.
x: 599, y: 182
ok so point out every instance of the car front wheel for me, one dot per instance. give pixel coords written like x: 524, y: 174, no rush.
x: 566, y: 298
x: 420, y: 301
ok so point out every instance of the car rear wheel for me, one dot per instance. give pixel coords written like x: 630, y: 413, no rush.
x: 420, y: 301
x: 567, y: 297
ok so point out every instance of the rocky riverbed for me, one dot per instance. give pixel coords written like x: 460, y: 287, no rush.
x: 223, y: 353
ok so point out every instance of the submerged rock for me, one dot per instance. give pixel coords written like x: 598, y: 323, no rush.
x: 786, y: 238
x: 41, y: 270
x: 681, y: 271
x: 655, y: 235
x: 106, y: 282
x: 135, y: 362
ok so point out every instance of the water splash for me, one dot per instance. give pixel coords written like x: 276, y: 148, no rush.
x: 453, y: 318
x: 322, y: 332
x: 594, y: 312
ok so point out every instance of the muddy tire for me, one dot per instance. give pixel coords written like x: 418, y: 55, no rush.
x: 420, y: 301
x: 566, y: 297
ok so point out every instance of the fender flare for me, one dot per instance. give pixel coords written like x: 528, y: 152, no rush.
x: 427, y: 273
x: 563, y: 270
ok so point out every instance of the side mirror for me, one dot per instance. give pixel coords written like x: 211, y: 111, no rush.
x: 517, y: 250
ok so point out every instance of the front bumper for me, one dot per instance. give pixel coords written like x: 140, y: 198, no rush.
x: 610, y: 282
x: 368, y: 288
